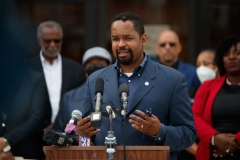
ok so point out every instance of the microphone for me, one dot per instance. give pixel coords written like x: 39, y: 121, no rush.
x: 124, y: 92
x: 60, y: 139
x: 97, y: 115
x: 66, y: 138
x: 71, y: 126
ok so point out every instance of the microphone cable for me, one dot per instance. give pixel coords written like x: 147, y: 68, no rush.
x: 124, y: 137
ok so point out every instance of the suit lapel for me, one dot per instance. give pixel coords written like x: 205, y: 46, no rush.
x: 37, y: 64
x: 65, y: 76
x: 144, y: 85
x: 111, y: 87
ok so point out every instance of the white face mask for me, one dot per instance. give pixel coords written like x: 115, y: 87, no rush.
x: 205, y: 73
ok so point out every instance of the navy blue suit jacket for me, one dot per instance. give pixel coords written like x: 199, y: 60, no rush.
x: 190, y: 72
x: 166, y: 94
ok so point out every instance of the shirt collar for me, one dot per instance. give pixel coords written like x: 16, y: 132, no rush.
x: 139, y: 68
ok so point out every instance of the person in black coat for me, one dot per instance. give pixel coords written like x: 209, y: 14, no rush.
x: 24, y: 118
x: 61, y: 74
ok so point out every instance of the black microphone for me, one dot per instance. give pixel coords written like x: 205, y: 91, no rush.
x: 60, y: 139
x: 66, y: 138
x: 96, y: 115
x: 124, y: 92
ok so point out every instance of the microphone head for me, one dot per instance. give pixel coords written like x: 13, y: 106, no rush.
x: 76, y: 114
x: 99, y: 86
x: 123, y: 88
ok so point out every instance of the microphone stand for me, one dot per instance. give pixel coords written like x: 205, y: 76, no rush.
x: 110, y: 140
x: 124, y: 129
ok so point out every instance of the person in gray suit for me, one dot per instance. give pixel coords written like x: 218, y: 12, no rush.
x: 94, y: 59
x: 151, y: 85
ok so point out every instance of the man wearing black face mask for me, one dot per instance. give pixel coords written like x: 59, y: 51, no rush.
x: 93, y: 59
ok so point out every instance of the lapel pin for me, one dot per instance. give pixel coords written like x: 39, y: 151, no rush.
x: 146, y: 83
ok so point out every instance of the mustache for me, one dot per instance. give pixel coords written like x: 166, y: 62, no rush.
x: 53, y: 49
x: 123, y: 49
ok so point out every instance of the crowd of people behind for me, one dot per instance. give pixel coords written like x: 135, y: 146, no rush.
x: 194, y: 108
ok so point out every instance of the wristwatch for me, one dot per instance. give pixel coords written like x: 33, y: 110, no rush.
x: 7, y: 146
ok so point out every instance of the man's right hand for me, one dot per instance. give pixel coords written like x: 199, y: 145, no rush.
x: 84, y: 127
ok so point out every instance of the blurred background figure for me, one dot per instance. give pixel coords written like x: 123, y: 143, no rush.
x: 206, y: 70
x: 24, y: 118
x: 216, y: 106
x: 206, y: 67
x: 93, y: 59
x: 24, y: 105
x: 168, y: 49
x: 61, y: 74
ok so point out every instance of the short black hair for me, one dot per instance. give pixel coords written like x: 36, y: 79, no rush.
x: 134, y: 18
x: 222, y: 49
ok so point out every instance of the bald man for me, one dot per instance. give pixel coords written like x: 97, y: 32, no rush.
x: 168, y: 49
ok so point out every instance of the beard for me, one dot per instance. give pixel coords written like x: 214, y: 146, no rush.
x: 51, y: 54
x: 125, y: 61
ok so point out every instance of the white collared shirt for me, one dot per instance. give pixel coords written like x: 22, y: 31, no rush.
x: 53, y: 77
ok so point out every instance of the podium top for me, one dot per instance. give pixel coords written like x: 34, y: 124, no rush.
x: 99, y: 152
x: 139, y: 148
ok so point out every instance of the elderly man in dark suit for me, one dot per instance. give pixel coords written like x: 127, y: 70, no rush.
x: 61, y: 74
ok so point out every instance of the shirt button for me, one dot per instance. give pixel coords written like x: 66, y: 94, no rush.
x: 129, y: 80
x: 138, y: 75
x: 3, y: 124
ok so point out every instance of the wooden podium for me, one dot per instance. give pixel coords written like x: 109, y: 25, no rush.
x: 99, y: 152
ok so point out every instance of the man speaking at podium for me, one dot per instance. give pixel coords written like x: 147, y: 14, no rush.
x: 151, y: 85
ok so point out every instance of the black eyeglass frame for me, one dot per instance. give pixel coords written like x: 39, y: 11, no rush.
x: 171, y: 44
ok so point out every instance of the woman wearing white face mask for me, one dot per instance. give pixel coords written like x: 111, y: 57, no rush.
x: 206, y: 70
x: 206, y: 67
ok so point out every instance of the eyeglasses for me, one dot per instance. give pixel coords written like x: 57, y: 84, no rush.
x: 50, y: 40
x: 170, y: 44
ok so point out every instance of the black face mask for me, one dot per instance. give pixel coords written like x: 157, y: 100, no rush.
x: 92, y: 69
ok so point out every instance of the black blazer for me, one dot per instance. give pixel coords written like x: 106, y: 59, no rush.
x: 28, y: 113
x: 73, y: 74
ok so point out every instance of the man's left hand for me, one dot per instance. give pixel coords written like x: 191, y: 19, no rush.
x: 150, y: 125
